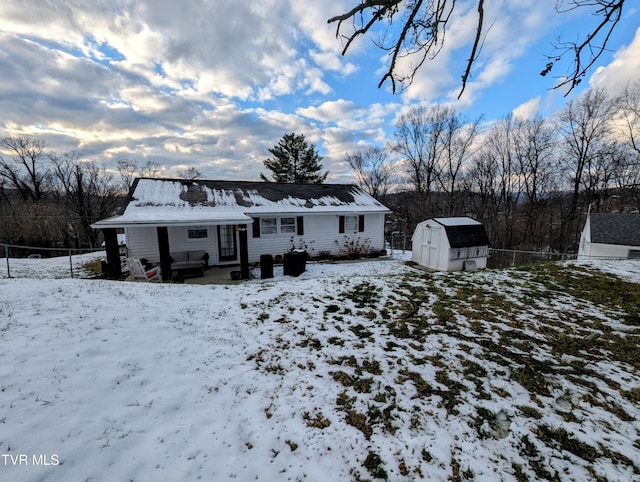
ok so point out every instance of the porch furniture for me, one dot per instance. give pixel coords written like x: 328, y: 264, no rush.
x: 188, y: 262
x: 140, y: 273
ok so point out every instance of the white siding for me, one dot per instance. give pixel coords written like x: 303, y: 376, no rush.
x: 596, y: 250
x: 436, y: 253
x: 143, y: 243
x: 179, y: 241
x: 320, y: 235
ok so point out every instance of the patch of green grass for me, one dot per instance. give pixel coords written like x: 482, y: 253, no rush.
x: 560, y: 439
x: 360, y: 331
x: 332, y: 308
x: 537, y: 463
x: 359, y: 421
x: 633, y: 394
x: 362, y: 385
x: 371, y: 366
x: 343, y: 378
x: 364, y: 295
x: 422, y: 386
x: 373, y: 463
x: 316, y: 421
x: 529, y: 412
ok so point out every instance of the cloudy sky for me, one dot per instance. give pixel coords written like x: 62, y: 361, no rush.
x: 214, y: 84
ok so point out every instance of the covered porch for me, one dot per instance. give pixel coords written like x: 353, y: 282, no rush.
x: 158, y: 240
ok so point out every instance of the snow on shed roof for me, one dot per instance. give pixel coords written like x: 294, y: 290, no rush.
x: 457, y: 221
x: 178, y: 201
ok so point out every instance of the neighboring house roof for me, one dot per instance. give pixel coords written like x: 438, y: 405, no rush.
x: 621, y: 229
x: 177, y: 201
x: 464, y: 232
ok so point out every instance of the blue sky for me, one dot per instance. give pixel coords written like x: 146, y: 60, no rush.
x: 215, y: 84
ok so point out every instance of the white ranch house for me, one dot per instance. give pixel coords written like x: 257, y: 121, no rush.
x: 235, y: 222
x: 610, y: 236
x: 450, y: 244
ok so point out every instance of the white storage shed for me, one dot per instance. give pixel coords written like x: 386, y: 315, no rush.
x: 450, y: 244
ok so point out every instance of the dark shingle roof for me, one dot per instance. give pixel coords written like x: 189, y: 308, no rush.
x: 467, y: 236
x: 622, y: 229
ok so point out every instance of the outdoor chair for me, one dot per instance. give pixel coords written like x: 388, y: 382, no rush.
x: 140, y: 273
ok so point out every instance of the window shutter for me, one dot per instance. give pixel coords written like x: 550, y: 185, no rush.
x: 361, y: 223
x: 256, y: 227
x: 300, y: 225
x: 341, y: 224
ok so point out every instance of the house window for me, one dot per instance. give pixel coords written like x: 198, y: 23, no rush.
x: 268, y: 225
x: 279, y: 225
x: 351, y: 224
x: 288, y: 225
x: 197, y: 232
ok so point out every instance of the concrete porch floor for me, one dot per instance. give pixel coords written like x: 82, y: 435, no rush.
x: 214, y: 275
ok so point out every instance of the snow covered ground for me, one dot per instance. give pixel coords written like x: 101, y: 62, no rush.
x: 362, y: 371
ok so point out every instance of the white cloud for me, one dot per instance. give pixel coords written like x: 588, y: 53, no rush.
x: 529, y: 109
x: 214, y: 84
x: 623, y: 70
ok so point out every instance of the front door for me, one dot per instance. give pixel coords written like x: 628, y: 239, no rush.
x: 227, y: 244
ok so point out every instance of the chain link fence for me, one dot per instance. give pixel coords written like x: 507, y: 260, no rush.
x: 504, y: 258
x: 40, y: 262
x: 398, y: 242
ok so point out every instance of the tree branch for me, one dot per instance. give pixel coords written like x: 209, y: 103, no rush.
x: 474, y: 49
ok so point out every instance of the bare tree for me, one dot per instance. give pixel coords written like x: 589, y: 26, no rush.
x: 585, y: 128
x: 151, y: 169
x: 190, y: 173
x: 87, y: 193
x: 374, y: 171
x: 27, y: 167
x: 481, y: 184
x: 418, y: 137
x: 499, y: 148
x: 586, y: 51
x: 628, y: 103
x: 457, y: 141
x: 423, y: 25
x: 127, y: 169
x: 537, y: 166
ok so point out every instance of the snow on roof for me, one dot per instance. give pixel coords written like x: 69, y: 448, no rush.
x: 457, y: 221
x: 178, y: 201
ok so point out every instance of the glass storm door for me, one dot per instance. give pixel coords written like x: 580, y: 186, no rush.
x: 227, y: 245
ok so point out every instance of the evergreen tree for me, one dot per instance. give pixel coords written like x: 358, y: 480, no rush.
x: 295, y: 161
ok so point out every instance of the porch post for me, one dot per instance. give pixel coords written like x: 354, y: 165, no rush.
x: 113, y: 253
x: 165, y: 255
x: 244, y: 251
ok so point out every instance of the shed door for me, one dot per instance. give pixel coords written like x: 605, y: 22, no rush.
x: 429, y: 248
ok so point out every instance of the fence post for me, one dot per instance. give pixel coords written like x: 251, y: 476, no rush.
x: 6, y: 252
x: 70, y: 263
